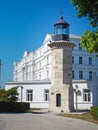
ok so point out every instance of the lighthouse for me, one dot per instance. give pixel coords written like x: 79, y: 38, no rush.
x: 61, y: 91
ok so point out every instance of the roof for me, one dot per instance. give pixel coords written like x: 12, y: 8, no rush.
x: 62, y: 22
x: 74, y: 36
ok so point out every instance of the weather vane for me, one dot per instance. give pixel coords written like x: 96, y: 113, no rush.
x: 61, y: 12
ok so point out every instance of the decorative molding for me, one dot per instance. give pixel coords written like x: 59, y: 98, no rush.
x: 29, y: 83
x: 58, y: 44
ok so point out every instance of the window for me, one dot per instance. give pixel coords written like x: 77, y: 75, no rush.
x: 72, y: 59
x: 36, y: 76
x: 40, y: 64
x: 80, y: 74
x: 90, y: 75
x: 40, y: 53
x: 90, y: 60
x: 29, y: 95
x: 80, y: 48
x: 80, y: 60
x: 86, y: 95
x: 47, y: 59
x: 46, y: 95
x: 73, y: 74
x: 24, y: 73
x: 39, y: 76
x: 47, y: 74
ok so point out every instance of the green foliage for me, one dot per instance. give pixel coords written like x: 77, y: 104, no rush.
x: 90, y: 41
x: 8, y: 102
x: 12, y: 94
x: 94, y: 112
x: 3, y: 95
x: 14, y: 106
x: 87, y: 8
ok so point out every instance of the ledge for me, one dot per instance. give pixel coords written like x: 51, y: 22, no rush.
x: 59, y: 44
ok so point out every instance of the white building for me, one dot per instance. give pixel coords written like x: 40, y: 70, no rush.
x: 32, y: 75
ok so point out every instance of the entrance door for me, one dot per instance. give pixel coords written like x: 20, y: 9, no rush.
x: 58, y: 100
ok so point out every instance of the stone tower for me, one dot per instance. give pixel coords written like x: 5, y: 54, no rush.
x: 61, y: 91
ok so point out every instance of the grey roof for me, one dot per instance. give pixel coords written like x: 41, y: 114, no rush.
x: 61, y: 21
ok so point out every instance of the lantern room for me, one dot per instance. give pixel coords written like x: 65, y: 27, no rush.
x: 61, y: 30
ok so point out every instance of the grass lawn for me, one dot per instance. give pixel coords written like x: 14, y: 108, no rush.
x: 85, y: 116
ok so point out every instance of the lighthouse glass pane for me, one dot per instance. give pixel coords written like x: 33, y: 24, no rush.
x: 61, y: 31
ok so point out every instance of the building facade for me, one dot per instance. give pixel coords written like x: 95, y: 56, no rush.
x: 32, y: 74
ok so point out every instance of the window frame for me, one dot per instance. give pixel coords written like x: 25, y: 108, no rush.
x: 80, y: 74
x: 80, y: 48
x: 86, y: 95
x: 46, y: 95
x: 90, y: 75
x: 73, y: 74
x: 90, y: 60
x: 29, y: 96
x: 80, y: 60
x: 72, y: 59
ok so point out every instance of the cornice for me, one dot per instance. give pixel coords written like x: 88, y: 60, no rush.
x: 61, y: 44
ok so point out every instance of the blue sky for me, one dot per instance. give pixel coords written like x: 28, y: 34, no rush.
x: 24, y: 24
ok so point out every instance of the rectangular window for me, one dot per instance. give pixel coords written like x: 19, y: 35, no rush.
x: 47, y: 74
x: 39, y: 76
x: 90, y: 60
x: 80, y: 74
x: 80, y: 48
x: 86, y: 95
x: 90, y: 75
x: 29, y: 95
x: 40, y: 53
x: 72, y: 59
x: 46, y: 95
x: 80, y: 60
x: 47, y: 59
x: 73, y: 74
x: 40, y: 64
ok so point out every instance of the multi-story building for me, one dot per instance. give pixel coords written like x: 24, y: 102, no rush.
x: 33, y: 74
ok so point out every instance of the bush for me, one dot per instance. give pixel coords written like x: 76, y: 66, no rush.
x: 12, y: 94
x: 94, y: 112
x: 3, y: 95
x: 14, y: 106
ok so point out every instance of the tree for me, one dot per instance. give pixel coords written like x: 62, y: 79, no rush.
x: 90, y: 41
x: 12, y: 94
x: 89, y: 9
x: 3, y: 95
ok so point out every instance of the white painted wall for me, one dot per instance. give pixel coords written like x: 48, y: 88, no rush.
x: 38, y: 93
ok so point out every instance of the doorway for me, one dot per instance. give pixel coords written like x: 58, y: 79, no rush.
x: 58, y: 100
